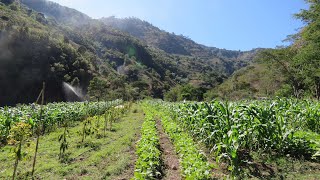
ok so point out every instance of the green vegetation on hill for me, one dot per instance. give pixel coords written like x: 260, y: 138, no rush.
x: 254, y: 81
x: 226, y: 61
x: 34, y: 49
x: 132, y: 59
x: 43, y: 41
x: 291, y: 71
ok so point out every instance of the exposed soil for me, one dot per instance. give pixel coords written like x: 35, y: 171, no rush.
x: 171, y: 168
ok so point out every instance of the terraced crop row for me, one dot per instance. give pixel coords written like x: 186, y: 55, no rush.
x: 193, y: 163
x: 148, y: 164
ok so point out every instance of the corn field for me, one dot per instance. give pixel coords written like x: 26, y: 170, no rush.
x: 231, y: 129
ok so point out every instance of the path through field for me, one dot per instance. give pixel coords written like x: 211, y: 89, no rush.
x: 171, y: 162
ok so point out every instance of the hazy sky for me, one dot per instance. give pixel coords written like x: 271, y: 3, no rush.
x: 229, y: 24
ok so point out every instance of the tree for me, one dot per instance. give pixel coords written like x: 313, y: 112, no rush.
x: 7, y: 1
x: 300, y: 62
x: 185, y: 92
x: 75, y: 82
x: 173, y: 94
x: 97, y: 88
x: 283, y: 59
x: 308, y: 42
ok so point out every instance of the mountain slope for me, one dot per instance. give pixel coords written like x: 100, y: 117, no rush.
x: 65, y: 15
x: 225, y: 61
x: 46, y: 42
x: 256, y: 81
x: 178, y: 44
x: 33, y: 50
x: 223, y: 66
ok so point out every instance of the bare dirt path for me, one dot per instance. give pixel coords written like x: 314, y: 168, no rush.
x: 170, y: 158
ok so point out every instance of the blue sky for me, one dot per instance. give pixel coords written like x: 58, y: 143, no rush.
x: 229, y: 24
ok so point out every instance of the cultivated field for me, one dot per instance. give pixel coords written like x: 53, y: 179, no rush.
x: 270, y: 139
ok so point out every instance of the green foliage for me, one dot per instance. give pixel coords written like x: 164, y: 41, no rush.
x: 63, y: 142
x: 67, y: 45
x: 186, y: 92
x: 173, y: 94
x: 193, y: 162
x: 259, y: 80
x: 111, y: 155
x: 288, y: 71
x: 97, y: 88
x: 19, y: 135
x: 112, y: 88
x: 148, y: 164
x: 45, y: 58
x: 87, y: 128
x: 308, y: 57
x: 54, y: 115
x: 229, y: 129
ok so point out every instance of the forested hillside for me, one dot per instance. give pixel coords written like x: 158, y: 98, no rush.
x: 43, y: 41
x: 225, y: 61
x: 291, y: 71
x: 180, y: 44
x: 130, y: 58
x: 106, y: 58
x: 35, y: 49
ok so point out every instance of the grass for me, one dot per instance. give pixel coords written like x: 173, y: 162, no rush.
x: 96, y: 158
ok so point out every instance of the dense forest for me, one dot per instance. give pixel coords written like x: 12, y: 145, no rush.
x: 43, y: 41
x: 128, y: 58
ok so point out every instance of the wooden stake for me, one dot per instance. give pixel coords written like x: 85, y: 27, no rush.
x: 38, y: 128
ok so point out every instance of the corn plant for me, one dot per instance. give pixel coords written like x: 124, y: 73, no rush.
x: 231, y: 128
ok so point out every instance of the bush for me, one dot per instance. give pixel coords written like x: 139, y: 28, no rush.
x: 185, y: 92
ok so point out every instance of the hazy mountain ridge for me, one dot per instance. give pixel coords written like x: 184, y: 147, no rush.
x: 122, y: 64
x: 61, y: 13
x: 151, y: 35
x: 180, y: 45
x: 169, y: 42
